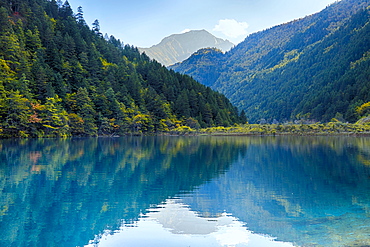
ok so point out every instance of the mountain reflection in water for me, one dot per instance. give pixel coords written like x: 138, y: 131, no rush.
x: 200, y: 191
x: 174, y: 224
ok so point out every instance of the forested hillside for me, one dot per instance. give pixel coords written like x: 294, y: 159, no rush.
x: 58, y: 77
x: 315, y: 68
x: 204, y: 65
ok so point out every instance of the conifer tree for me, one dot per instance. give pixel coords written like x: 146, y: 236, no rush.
x: 80, y: 16
x: 54, y: 118
x: 16, y: 111
x: 96, y: 27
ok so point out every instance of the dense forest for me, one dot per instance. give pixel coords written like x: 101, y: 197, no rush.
x: 59, y: 78
x: 313, y: 69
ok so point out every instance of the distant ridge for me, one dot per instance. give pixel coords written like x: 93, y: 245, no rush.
x: 178, y: 47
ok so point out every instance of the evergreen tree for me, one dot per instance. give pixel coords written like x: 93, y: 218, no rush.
x: 54, y: 118
x: 96, y: 27
x: 80, y: 16
x: 65, y: 10
x: 16, y: 110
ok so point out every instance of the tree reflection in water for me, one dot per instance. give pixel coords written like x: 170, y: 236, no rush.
x: 298, y: 189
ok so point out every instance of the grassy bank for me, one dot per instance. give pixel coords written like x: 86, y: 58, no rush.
x: 331, y: 128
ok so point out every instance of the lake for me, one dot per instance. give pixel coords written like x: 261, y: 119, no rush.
x: 185, y: 191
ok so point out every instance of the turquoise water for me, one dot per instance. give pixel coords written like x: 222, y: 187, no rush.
x: 185, y: 191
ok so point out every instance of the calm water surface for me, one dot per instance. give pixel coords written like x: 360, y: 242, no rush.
x: 185, y: 191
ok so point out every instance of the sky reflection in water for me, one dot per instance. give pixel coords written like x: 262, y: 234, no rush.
x: 185, y: 191
x: 174, y: 224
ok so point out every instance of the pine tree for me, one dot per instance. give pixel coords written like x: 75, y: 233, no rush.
x: 96, y: 27
x: 85, y: 109
x: 65, y: 10
x: 80, y: 16
x: 182, y: 107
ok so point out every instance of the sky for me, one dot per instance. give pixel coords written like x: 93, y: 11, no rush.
x: 144, y: 23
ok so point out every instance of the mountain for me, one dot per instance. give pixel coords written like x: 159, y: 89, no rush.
x: 314, y: 68
x: 59, y: 78
x: 178, y: 47
x: 204, y: 65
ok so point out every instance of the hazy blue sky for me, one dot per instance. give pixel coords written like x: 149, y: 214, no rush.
x: 144, y: 23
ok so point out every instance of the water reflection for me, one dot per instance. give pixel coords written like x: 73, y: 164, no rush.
x: 174, y: 224
x: 64, y: 192
x: 308, y: 191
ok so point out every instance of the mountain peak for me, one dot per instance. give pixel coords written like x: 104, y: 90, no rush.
x: 178, y: 47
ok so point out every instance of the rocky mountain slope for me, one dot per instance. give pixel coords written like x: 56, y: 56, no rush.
x: 178, y: 47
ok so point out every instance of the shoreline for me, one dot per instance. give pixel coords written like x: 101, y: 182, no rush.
x: 317, y: 129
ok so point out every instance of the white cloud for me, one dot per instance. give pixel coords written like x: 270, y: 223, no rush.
x: 231, y: 28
